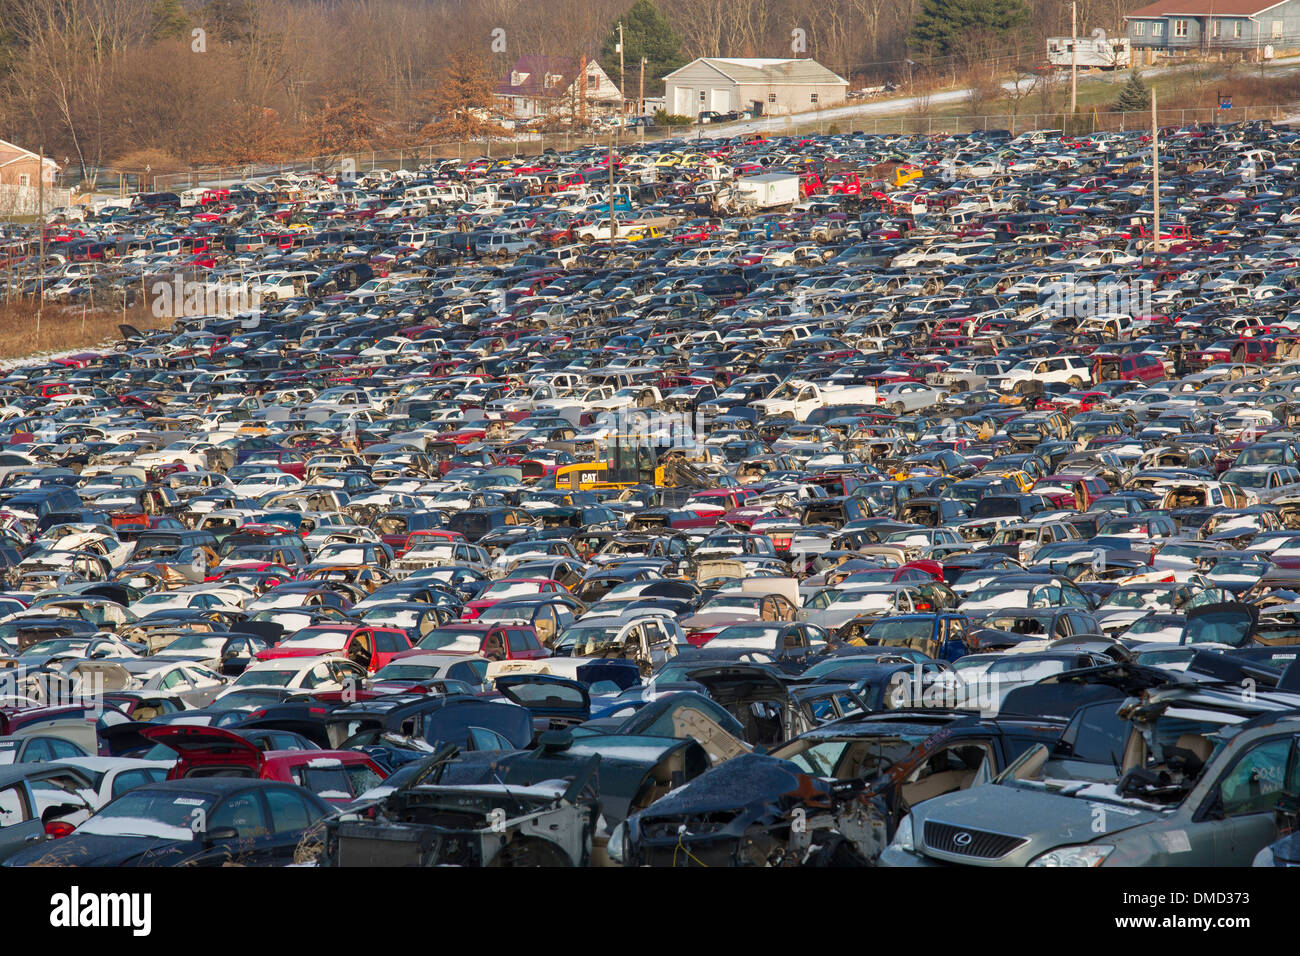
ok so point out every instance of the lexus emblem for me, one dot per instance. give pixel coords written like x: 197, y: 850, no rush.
x: 962, y: 839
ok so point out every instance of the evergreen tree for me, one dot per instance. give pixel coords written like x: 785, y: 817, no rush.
x: 646, y: 33
x: 463, y: 102
x: 942, y: 25
x: 168, y: 21
x: 230, y: 20
x: 1134, y: 97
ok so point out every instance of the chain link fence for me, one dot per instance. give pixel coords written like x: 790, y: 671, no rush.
x: 929, y: 124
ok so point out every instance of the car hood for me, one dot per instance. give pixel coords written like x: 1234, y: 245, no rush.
x: 86, y: 849
x: 1031, y: 821
x: 749, y: 780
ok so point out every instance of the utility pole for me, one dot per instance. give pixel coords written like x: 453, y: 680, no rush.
x: 40, y: 225
x: 622, y: 82
x: 1155, y: 177
x: 610, y: 208
x: 640, y: 102
x: 1074, y: 56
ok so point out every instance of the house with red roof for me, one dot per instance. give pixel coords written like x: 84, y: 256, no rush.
x: 538, y: 86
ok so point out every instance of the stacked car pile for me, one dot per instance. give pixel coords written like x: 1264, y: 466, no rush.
x: 530, y: 511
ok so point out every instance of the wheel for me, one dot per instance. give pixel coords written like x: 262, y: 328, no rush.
x: 1075, y: 382
x: 530, y: 852
x: 898, y: 408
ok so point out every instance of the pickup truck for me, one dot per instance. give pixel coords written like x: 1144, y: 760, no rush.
x: 799, y: 398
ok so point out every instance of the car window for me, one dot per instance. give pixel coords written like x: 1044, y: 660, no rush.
x: 288, y: 812
x: 37, y: 750
x: 130, y: 779
x: 362, y: 778
x: 1255, y: 780
x: 64, y: 749
x: 13, y: 806
x: 241, y: 813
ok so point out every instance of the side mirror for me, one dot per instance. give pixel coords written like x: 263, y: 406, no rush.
x: 219, y: 835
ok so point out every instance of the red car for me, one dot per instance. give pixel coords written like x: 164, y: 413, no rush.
x: 1137, y: 367
x: 336, y: 776
x: 496, y: 642
x: 371, y: 647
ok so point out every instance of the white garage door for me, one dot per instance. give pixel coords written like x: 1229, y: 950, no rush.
x: 686, y: 100
x: 721, y: 101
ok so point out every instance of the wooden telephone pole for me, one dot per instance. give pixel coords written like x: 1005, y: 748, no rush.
x: 610, y: 208
x: 40, y: 225
x: 1074, y: 57
x: 1155, y: 177
x: 622, y: 83
x: 582, y: 91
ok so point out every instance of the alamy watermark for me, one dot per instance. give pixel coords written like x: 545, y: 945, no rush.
x: 1085, y: 299
x: 180, y: 298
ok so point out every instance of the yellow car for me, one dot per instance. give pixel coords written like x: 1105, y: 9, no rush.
x: 1024, y: 481
x: 906, y: 174
x: 643, y: 232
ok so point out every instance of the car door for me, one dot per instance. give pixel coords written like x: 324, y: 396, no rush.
x: 360, y: 649
x: 494, y: 646
x: 1238, y: 813
x: 203, y: 687
x: 20, y: 825
x: 237, y: 832
x: 290, y: 814
x: 471, y: 672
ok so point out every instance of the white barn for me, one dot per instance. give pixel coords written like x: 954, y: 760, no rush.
x: 766, y: 86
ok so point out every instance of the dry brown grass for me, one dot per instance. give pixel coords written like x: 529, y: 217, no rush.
x: 1247, y: 87
x: 61, y: 330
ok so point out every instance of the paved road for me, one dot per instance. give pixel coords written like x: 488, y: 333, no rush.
x: 904, y: 104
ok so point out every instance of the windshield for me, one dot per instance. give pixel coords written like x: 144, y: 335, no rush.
x: 451, y: 639
x: 1230, y: 626
x: 589, y: 639
x: 746, y: 635
x: 165, y: 815
x: 850, y: 759
x: 1025, y: 670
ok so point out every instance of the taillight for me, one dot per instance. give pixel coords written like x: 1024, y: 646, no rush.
x: 57, y: 829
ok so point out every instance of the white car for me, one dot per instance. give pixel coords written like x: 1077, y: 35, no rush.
x: 192, y: 682
x: 265, y: 483
x: 114, y: 776
x: 180, y: 600
x: 1073, y: 370
x: 318, y: 673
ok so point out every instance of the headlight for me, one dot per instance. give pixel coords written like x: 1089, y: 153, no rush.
x: 1090, y: 854
x: 903, y: 835
x: 617, y: 843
